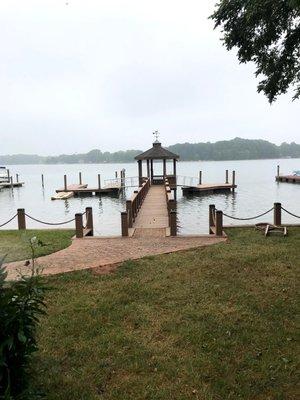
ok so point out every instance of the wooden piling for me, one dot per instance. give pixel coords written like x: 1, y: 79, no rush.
x: 116, y: 174
x: 277, y: 214
x: 65, y: 183
x: 21, y: 219
x: 219, y: 223
x: 129, y: 211
x: 233, y: 180
x: 211, y: 216
x: 99, y: 181
x: 227, y: 177
x: 278, y: 171
x: 43, y: 180
x: 17, y: 178
x: 79, y: 225
x: 124, y: 223
x: 200, y: 177
x: 80, y: 178
x: 173, y: 223
x: 11, y: 182
x: 89, y: 220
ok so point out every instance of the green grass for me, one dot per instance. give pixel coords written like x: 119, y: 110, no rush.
x: 213, y: 323
x: 14, y: 244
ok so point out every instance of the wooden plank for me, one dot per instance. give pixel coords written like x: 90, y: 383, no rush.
x: 62, y: 196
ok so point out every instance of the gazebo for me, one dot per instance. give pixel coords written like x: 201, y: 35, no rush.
x: 157, y: 153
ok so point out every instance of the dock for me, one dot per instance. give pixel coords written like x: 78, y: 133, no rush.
x: 288, y: 178
x: 209, y: 188
x: 8, y: 185
x: 292, y: 178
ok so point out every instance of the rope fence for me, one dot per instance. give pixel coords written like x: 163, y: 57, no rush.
x: 50, y: 223
x: 7, y: 222
x: 288, y: 212
x: 248, y: 218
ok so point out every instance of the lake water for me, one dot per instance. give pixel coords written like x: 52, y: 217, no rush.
x: 256, y: 193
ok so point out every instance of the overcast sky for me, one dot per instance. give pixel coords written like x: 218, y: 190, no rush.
x: 82, y: 74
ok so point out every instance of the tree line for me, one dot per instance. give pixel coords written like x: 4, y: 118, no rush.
x: 236, y: 149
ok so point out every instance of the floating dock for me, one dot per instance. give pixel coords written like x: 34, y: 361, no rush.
x: 8, y: 185
x: 288, y: 178
x: 209, y: 188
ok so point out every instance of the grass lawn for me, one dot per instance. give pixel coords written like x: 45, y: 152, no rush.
x: 212, y: 324
x: 15, y: 245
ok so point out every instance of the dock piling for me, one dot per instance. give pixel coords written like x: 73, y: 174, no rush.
x: 21, y: 219
x: 200, y: 177
x: 79, y: 225
x: 124, y: 223
x: 277, y: 214
x: 80, y: 178
x: 278, y: 171
x: 233, y: 180
x: 227, y: 178
x: 173, y: 222
x: 65, y: 183
x: 211, y: 217
x: 17, y: 178
x: 99, y: 181
x: 129, y: 211
x: 43, y: 185
x: 11, y: 183
x: 89, y: 220
x: 219, y: 223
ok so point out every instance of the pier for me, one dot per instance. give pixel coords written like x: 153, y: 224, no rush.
x: 286, y: 178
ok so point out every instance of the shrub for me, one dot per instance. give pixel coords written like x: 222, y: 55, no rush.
x: 21, y: 305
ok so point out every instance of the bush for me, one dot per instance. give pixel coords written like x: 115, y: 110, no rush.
x: 21, y: 305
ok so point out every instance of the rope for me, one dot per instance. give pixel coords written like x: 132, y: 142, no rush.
x: 7, y: 222
x: 288, y: 212
x: 247, y: 219
x: 50, y: 223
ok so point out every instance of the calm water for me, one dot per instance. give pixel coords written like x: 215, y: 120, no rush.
x: 256, y: 192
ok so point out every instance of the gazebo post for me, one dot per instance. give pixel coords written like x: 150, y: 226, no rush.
x: 148, y: 169
x: 165, y: 167
x: 140, y: 172
x: 151, y: 161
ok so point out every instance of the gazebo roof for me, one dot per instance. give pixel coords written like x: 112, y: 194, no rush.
x: 157, y: 152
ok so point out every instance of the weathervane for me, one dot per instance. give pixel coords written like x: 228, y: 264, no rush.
x: 156, y: 134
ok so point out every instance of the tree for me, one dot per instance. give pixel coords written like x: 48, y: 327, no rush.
x: 266, y: 32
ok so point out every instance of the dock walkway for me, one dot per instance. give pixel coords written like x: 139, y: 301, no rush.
x: 152, y: 219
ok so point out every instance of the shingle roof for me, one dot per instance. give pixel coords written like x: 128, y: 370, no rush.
x: 157, y: 152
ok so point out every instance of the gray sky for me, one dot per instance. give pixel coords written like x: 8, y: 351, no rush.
x: 83, y: 74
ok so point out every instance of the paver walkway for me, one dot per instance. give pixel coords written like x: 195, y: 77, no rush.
x: 105, y: 252
x: 152, y: 219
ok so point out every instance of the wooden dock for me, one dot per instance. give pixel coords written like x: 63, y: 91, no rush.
x: 152, y: 219
x: 209, y: 188
x: 83, y: 189
x: 288, y: 178
x: 8, y: 185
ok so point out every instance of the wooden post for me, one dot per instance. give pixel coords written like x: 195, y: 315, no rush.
x: 116, y: 174
x: 11, y: 182
x: 17, y: 178
x: 99, y: 181
x: 89, y: 220
x: 212, y: 210
x: 43, y: 181
x: 79, y: 225
x: 233, y: 180
x: 151, y: 176
x: 226, y: 174
x: 21, y: 219
x: 129, y: 211
x: 65, y: 183
x: 174, y: 167
x: 80, y: 178
x: 173, y: 223
x: 278, y: 171
x: 200, y: 177
x: 8, y: 175
x: 140, y: 172
x: 277, y: 214
x: 219, y: 223
x: 124, y: 223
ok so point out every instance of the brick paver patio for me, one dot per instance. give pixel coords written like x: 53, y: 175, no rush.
x: 104, y: 253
